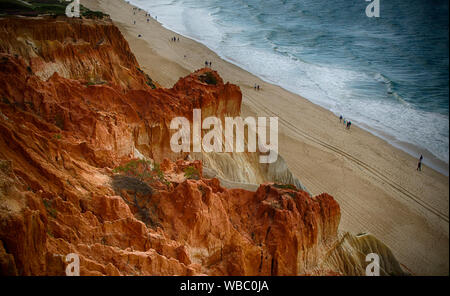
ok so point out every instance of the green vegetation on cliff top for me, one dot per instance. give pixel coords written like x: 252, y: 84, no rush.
x: 42, y: 7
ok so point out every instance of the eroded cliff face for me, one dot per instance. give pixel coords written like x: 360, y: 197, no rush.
x: 90, y: 50
x: 94, y: 53
x: 74, y: 106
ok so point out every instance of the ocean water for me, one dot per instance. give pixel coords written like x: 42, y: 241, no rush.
x: 388, y: 74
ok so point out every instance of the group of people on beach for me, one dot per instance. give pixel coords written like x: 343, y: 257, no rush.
x: 346, y: 122
x: 148, y: 20
x: 147, y: 15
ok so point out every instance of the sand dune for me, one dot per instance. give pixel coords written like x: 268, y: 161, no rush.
x: 376, y: 185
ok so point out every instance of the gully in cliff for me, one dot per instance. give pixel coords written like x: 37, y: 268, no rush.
x: 213, y: 140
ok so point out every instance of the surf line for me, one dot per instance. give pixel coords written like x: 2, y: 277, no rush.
x: 213, y: 140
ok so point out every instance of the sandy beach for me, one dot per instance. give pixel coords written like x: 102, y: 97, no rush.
x: 376, y: 184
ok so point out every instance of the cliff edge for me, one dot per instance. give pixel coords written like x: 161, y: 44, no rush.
x: 86, y: 168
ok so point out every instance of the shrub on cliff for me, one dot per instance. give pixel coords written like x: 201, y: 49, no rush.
x: 131, y: 184
x: 191, y: 173
x: 208, y: 78
x: 135, y: 177
x: 149, y: 80
x: 143, y: 170
x: 92, y: 14
x: 285, y: 186
x: 49, y: 7
x: 50, y: 209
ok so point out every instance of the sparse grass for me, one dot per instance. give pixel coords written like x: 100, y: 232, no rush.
x: 160, y: 174
x: 41, y: 7
x: 57, y: 137
x: 285, y: 186
x: 91, y: 14
x: 191, y: 173
x: 135, y: 168
x: 50, y: 210
x: 7, y: 5
x: 143, y: 170
x: 33, y: 7
x: 148, y: 81
x: 96, y: 83
x: 136, y: 177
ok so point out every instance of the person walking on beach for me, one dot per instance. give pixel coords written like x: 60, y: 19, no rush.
x: 349, y: 123
x: 206, y: 64
x: 340, y: 119
x: 419, y: 165
x: 210, y: 64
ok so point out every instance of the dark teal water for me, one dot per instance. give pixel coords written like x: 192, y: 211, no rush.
x: 387, y: 74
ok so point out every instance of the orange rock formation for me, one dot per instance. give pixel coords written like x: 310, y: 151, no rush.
x: 74, y: 106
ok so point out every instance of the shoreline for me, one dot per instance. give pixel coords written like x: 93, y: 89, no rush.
x: 413, y: 150
x: 376, y: 184
x: 431, y: 160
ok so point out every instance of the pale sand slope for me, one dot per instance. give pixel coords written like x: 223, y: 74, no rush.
x: 376, y: 185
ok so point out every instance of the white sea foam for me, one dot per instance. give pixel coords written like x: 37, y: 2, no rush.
x: 378, y: 107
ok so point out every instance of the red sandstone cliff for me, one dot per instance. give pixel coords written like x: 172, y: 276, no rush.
x: 74, y: 106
